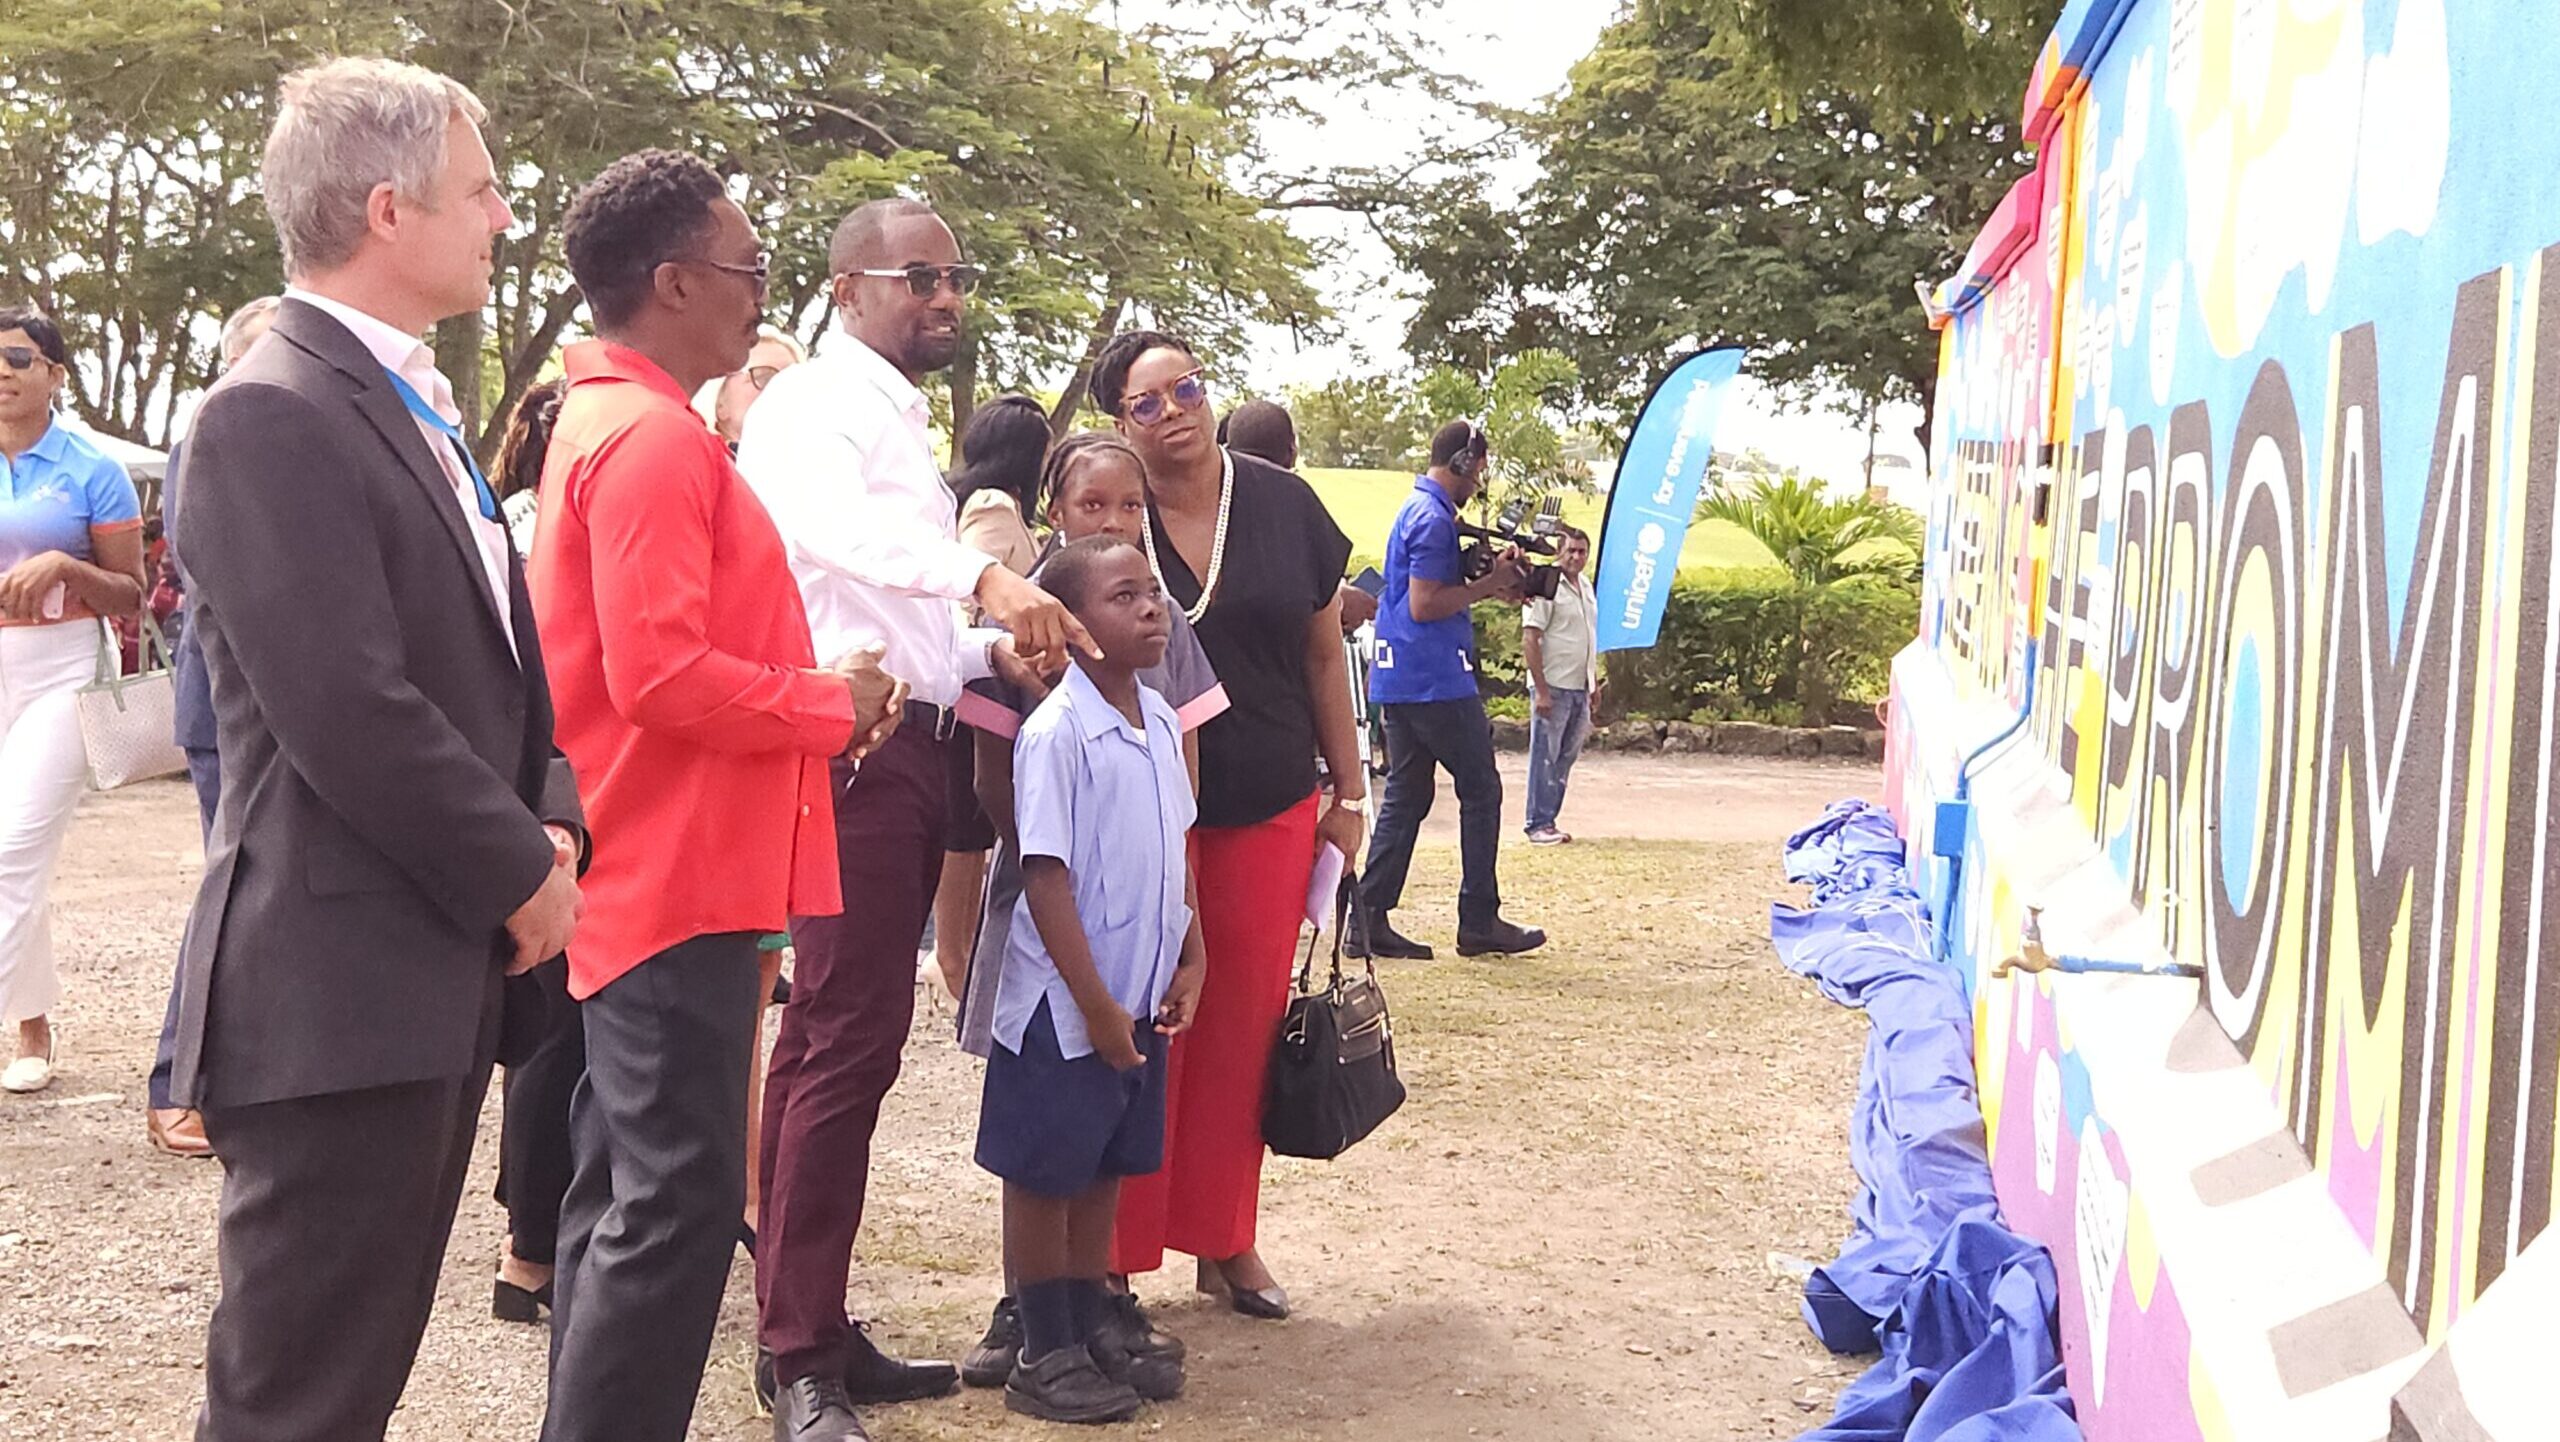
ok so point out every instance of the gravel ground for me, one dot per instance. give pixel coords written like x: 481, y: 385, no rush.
x: 1567, y: 1233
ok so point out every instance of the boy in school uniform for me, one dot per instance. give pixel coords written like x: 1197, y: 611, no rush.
x: 1103, y: 964
x: 1091, y: 485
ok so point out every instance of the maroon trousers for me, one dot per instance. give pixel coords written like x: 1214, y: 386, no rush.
x: 852, y: 1000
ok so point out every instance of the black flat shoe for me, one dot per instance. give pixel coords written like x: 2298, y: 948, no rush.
x: 511, y: 1303
x: 1269, y: 1304
x: 991, y: 1361
x: 1500, y: 939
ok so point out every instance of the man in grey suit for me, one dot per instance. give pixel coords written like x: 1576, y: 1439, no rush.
x: 380, y: 856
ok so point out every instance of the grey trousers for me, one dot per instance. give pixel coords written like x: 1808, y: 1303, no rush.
x: 335, y: 1212
x: 659, y: 1128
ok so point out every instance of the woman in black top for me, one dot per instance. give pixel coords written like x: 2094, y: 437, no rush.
x: 1254, y: 560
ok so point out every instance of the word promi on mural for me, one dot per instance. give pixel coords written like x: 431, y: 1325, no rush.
x: 2346, y: 814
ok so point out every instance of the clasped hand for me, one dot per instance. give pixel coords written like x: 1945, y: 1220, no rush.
x: 543, y: 926
x: 879, y: 699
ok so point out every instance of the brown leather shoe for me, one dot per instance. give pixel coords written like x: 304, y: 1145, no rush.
x: 179, y: 1131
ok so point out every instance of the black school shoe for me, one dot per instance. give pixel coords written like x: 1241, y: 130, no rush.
x: 1066, y: 1386
x: 872, y: 1378
x: 1500, y: 939
x: 1128, y: 1348
x: 991, y: 1361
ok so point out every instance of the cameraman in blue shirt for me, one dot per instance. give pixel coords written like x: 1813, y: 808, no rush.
x: 1424, y: 681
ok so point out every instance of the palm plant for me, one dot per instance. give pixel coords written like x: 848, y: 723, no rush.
x: 1822, y: 541
x: 1828, y: 547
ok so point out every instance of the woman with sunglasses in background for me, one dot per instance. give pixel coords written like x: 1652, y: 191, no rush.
x: 70, y: 557
x: 1253, y: 560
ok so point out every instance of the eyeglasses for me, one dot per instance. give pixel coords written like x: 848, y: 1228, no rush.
x: 21, y: 357
x: 760, y: 272
x: 923, y: 280
x: 1188, y: 392
x: 762, y: 376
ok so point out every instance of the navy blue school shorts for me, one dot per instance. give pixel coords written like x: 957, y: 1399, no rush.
x: 1056, y: 1126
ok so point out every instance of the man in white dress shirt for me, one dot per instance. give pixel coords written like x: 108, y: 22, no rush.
x: 840, y: 452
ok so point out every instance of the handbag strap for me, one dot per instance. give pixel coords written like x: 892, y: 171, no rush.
x: 1342, y: 900
x: 109, y: 672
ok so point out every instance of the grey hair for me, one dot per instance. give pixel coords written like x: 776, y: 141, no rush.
x: 345, y: 127
x: 242, y: 329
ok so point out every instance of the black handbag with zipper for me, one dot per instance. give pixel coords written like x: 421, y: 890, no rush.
x: 1333, y: 1073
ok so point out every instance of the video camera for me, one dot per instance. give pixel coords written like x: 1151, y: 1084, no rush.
x: 1542, y: 536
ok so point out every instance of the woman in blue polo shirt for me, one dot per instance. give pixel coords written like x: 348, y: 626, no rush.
x: 70, y: 555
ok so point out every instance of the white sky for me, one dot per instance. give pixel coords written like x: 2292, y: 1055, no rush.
x: 1516, y: 51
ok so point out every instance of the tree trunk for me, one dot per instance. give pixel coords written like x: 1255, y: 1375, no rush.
x: 1872, y: 409
x: 964, y: 392
x: 1071, y: 400
x: 458, y: 346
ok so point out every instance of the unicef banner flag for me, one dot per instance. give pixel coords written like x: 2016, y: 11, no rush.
x: 1655, y: 494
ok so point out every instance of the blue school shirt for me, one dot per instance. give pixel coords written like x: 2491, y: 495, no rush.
x: 58, y: 490
x: 1113, y: 803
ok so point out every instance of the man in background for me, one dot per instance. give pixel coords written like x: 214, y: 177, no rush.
x: 174, y: 1129
x: 1424, y: 678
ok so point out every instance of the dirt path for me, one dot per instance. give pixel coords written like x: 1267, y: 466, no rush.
x: 1565, y: 1235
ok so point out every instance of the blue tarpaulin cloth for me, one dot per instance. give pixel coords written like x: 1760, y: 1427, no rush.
x: 1961, y: 1307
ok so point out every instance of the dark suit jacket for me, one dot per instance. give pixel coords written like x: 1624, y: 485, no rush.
x: 386, y: 761
x: 195, y: 728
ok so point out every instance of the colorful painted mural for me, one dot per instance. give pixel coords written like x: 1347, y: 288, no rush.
x: 2249, y: 418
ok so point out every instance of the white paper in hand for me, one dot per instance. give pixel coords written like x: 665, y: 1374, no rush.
x: 1323, y: 887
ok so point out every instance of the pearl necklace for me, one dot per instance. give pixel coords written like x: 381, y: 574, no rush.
x: 1217, y: 547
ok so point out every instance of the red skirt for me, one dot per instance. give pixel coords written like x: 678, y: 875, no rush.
x: 1253, y: 896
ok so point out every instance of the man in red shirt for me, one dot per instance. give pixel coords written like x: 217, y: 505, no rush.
x: 692, y: 707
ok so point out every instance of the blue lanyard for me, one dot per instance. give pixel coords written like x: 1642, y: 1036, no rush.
x: 418, y: 407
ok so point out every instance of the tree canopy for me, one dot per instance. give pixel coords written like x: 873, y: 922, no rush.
x: 1092, y: 172
x: 1678, y: 206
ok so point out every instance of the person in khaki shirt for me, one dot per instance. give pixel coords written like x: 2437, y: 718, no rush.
x: 1564, y: 678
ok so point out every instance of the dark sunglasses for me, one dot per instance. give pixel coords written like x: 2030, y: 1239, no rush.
x: 22, y: 357
x: 760, y: 272
x: 923, y: 280
x: 1148, y: 408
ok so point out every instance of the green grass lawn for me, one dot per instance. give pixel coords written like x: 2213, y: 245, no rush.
x: 1364, y: 504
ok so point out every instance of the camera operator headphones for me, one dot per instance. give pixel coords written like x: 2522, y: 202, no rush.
x: 1470, y: 459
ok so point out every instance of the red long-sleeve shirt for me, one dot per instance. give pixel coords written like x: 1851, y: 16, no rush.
x: 678, y: 654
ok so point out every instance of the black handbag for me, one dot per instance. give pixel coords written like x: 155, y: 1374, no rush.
x: 1333, y: 1074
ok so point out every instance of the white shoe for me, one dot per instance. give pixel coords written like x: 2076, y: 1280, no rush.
x: 29, y: 1073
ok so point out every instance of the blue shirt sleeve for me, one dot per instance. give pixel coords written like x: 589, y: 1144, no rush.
x: 1431, y: 547
x: 111, y: 495
x: 1045, y: 763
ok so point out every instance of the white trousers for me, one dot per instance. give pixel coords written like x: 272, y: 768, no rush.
x: 43, y: 770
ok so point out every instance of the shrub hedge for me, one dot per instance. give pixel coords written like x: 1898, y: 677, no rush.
x: 1741, y: 644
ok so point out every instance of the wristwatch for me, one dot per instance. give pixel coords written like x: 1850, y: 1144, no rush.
x: 1356, y: 805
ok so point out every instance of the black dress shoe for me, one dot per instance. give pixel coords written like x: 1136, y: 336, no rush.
x: 1500, y: 939
x: 991, y: 1361
x: 1372, y: 937
x: 873, y: 1378
x: 1128, y: 1348
x: 511, y: 1303
x: 1066, y: 1386
x: 815, y: 1409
